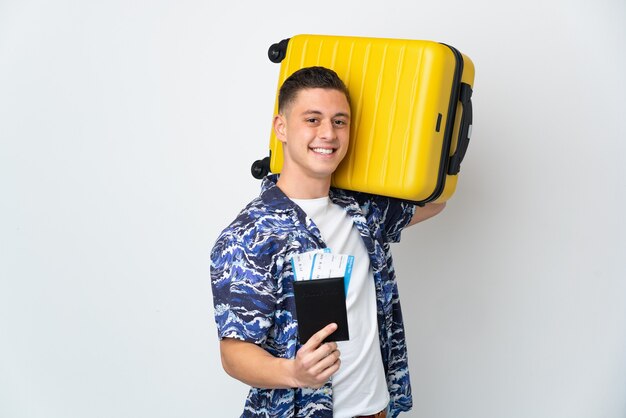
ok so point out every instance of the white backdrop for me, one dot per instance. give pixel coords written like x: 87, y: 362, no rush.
x: 127, y: 129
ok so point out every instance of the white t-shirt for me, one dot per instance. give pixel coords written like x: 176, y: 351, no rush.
x: 359, y: 386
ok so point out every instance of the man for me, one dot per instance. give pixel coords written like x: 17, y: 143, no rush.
x: 252, y: 276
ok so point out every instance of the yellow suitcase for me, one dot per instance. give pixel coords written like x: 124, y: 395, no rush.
x: 411, y: 112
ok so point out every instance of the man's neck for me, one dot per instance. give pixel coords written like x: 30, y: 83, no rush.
x: 307, y: 188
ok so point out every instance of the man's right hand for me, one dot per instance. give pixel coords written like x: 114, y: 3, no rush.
x: 315, y: 361
x: 314, y: 364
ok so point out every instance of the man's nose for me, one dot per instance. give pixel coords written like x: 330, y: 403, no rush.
x: 326, y: 130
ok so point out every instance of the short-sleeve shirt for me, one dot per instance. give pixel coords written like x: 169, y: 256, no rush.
x: 252, y: 284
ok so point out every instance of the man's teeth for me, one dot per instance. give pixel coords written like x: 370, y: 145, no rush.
x: 323, y: 150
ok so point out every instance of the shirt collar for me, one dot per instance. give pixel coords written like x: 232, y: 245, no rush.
x: 276, y: 200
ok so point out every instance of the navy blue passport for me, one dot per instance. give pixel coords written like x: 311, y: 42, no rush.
x: 318, y: 303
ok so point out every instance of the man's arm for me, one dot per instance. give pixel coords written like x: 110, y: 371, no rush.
x: 314, y: 363
x: 427, y: 211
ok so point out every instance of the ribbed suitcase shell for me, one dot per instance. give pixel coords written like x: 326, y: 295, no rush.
x: 401, y: 93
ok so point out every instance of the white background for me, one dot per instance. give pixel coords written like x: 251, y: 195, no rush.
x: 127, y: 129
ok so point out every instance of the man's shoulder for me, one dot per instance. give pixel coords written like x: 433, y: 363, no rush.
x: 366, y: 199
x: 251, y: 214
x: 363, y: 200
x: 258, y: 232
x: 257, y: 217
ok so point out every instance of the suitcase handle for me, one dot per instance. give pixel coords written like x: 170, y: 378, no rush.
x: 465, y: 132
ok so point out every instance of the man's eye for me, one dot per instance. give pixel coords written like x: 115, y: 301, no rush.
x: 311, y: 120
x: 340, y: 122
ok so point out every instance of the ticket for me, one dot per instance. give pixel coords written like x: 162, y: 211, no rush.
x: 303, y: 263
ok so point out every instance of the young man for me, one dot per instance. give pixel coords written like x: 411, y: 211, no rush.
x: 252, y: 276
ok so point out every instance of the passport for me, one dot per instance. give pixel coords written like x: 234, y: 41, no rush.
x: 318, y: 303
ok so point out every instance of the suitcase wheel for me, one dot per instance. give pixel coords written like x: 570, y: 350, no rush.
x: 260, y: 168
x: 278, y: 51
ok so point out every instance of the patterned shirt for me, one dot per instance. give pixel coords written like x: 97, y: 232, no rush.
x: 252, y: 284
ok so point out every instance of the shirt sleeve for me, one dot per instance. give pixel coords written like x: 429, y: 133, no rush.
x: 395, y: 216
x: 243, y: 289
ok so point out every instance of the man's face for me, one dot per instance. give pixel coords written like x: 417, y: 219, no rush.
x: 315, y: 131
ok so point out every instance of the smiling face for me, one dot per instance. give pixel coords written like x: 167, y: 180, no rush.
x: 315, y: 132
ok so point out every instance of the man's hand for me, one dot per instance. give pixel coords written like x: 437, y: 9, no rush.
x: 315, y: 361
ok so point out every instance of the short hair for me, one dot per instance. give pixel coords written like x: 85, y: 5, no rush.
x: 309, y: 78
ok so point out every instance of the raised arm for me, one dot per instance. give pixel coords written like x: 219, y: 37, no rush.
x: 427, y: 211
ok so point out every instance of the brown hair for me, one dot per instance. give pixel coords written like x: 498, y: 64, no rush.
x: 309, y: 78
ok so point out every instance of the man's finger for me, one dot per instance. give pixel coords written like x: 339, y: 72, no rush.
x: 325, y: 362
x: 324, y: 375
x: 316, y: 339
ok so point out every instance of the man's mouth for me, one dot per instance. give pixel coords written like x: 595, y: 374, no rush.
x: 325, y: 151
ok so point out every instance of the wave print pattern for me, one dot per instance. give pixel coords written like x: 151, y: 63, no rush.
x: 251, y: 279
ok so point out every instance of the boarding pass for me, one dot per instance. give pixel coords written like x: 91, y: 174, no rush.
x: 322, y: 264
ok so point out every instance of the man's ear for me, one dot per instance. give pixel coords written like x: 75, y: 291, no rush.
x: 280, y: 128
